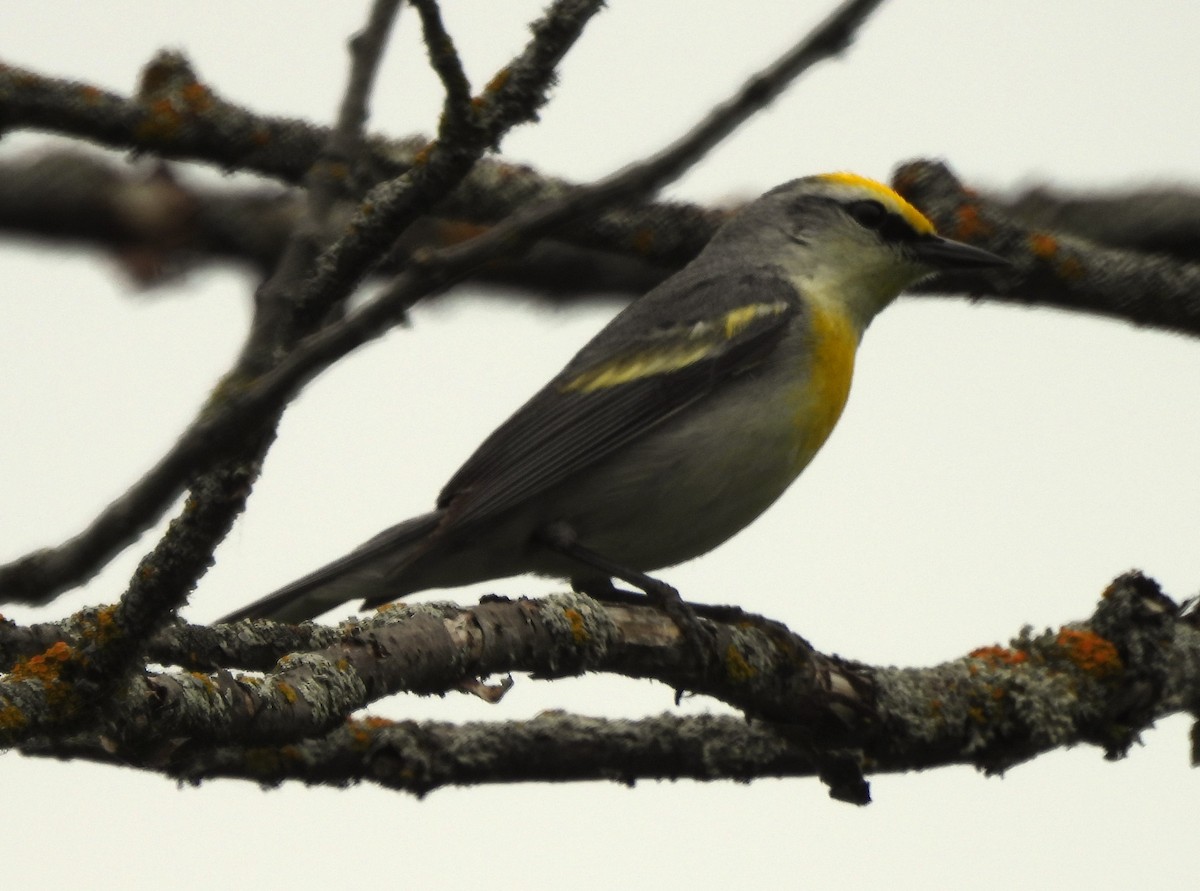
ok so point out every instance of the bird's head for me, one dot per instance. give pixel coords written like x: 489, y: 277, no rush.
x: 845, y: 238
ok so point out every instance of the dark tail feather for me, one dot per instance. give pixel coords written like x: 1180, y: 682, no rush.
x: 370, y: 571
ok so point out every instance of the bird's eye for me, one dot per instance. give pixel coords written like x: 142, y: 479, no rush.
x: 870, y: 214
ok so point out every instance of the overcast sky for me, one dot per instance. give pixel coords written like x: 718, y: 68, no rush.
x: 995, y: 466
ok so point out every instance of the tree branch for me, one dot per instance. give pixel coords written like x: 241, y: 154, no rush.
x: 1052, y: 269
x: 1101, y: 682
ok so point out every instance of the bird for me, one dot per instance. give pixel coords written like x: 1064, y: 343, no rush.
x: 679, y: 423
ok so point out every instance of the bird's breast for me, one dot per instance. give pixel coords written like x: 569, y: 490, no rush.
x: 824, y: 385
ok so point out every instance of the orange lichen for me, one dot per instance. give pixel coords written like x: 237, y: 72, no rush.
x: 969, y: 224
x: 337, y: 170
x: 360, y: 735
x: 362, y: 729
x: 162, y: 121
x: 91, y: 95
x: 578, y: 630
x: 288, y: 692
x: 375, y: 723
x: 261, y: 136
x: 1090, y: 652
x: 736, y: 665
x: 1043, y: 245
x: 1000, y: 655
x: 498, y: 81
x: 46, y: 669
x: 197, y: 96
x: 101, y: 626
x: 205, y: 681
x: 505, y: 172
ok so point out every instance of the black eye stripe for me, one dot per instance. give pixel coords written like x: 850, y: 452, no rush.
x: 871, y: 214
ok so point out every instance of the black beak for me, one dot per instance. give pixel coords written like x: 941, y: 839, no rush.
x: 942, y: 253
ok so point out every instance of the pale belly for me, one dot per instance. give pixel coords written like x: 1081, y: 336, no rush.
x: 687, y: 486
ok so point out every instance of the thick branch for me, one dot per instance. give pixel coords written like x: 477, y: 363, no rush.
x: 1100, y: 682
x: 158, y: 225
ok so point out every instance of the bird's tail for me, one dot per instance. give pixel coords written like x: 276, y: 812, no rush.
x: 370, y: 572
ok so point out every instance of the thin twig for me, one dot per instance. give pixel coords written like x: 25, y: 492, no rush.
x: 343, y: 151
x: 393, y: 206
x: 456, y: 110
x: 366, y: 51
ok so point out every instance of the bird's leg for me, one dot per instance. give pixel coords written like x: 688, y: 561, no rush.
x: 560, y: 538
x: 600, y: 587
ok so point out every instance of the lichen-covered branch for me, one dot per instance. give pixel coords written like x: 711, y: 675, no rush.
x: 1051, y: 269
x: 156, y: 224
x: 1154, y: 219
x: 420, y: 757
x: 1101, y: 682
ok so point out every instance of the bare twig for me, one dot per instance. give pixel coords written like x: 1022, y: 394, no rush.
x: 366, y: 51
x: 456, y: 110
x: 343, y: 153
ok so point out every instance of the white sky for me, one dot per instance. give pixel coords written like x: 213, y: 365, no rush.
x: 995, y: 467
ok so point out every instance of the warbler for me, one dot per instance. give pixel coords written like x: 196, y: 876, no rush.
x: 679, y: 423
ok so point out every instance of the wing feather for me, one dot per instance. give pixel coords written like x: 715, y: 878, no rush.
x: 624, y: 382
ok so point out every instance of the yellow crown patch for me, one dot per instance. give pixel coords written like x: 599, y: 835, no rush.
x: 888, y: 197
